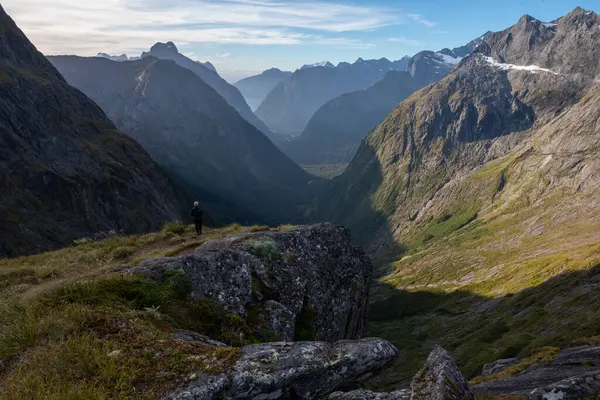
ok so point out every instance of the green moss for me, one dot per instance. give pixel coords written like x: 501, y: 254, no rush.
x: 263, y: 247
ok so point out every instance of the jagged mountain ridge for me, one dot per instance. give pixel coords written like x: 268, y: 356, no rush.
x: 191, y: 131
x: 256, y: 88
x: 335, y: 131
x: 289, y: 106
x: 66, y: 172
x: 168, y: 51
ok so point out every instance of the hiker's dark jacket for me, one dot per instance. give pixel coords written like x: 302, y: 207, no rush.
x: 196, y: 213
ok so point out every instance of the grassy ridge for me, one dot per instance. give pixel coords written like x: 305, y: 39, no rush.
x: 68, y: 330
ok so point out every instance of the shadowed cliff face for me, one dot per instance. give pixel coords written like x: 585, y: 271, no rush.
x: 65, y: 170
x: 188, y: 128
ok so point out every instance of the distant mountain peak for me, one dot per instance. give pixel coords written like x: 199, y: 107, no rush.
x: 122, y: 57
x: 325, y: 64
x: 168, y: 47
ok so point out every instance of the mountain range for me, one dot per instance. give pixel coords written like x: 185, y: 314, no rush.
x: 66, y: 172
x: 334, y: 132
x: 192, y: 132
x: 256, y: 88
x: 290, y: 105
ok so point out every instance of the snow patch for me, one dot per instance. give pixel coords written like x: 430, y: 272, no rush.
x: 325, y: 64
x: 505, y: 67
x: 449, y: 59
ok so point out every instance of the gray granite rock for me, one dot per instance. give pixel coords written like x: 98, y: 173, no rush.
x: 312, y: 275
x: 440, y: 379
x: 300, y: 370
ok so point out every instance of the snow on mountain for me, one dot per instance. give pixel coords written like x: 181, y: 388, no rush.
x: 448, y: 59
x: 505, y: 67
x: 325, y: 64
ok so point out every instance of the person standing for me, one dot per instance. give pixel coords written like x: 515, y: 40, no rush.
x: 197, y: 215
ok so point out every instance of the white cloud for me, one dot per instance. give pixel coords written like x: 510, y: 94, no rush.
x: 405, y: 41
x: 420, y: 19
x: 88, y: 26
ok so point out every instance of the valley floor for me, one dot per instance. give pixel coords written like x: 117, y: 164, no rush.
x: 517, y: 280
x: 326, y: 171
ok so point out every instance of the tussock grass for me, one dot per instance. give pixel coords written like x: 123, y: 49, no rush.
x: 70, y: 330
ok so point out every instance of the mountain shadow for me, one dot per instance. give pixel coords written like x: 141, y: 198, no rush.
x: 559, y: 312
x: 230, y: 166
x: 340, y: 199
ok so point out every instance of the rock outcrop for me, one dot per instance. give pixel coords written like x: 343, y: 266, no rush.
x: 300, y: 370
x: 66, y: 172
x: 573, y: 374
x: 440, y: 379
x: 306, y: 284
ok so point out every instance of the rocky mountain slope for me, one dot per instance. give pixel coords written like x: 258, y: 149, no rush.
x: 290, y: 105
x: 334, y: 132
x: 168, y: 51
x: 256, y: 88
x: 483, y: 188
x: 190, y: 130
x: 66, y: 172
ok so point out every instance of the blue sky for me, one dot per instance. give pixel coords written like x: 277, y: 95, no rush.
x: 242, y: 37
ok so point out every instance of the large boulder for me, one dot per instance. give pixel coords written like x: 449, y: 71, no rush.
x: 300, y: 370
x: 311, y: 283
x: 440, y: 379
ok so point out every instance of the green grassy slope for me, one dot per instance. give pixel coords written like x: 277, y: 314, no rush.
x: 64, y: 320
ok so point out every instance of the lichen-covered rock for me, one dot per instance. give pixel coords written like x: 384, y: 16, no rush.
x: 278, y: 319
x: 224, y: 276
x: 310, y: 283
x: 440, y: 379
x: 362, y: 394
x: 300, y: 370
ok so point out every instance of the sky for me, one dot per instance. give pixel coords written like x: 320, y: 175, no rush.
x: 244, y: 37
